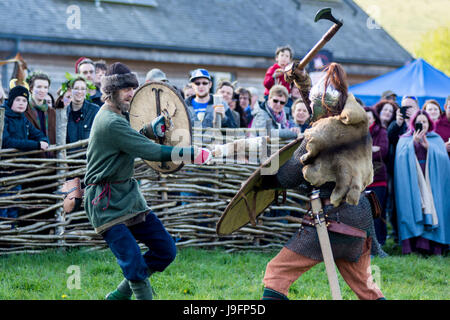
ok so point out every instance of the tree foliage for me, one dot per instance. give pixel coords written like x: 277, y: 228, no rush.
x: 435, y: 48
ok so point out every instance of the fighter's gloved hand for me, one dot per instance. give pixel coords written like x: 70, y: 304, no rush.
x: 154, y: 129
x: 300, y: 78
x: 201, y: 155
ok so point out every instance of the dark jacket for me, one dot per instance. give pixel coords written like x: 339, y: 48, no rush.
x: 443, y: 128
x: 379, y: 138
x: 97, y: 98
x: 227, y: 122
x: 19, y: 133
x: 80, y: 128
x: 394, y: 132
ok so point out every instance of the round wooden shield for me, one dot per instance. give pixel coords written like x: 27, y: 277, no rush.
x: 158, y: 98
x: 250, y: 201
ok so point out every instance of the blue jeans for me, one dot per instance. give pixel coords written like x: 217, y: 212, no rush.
x: 122, y: 241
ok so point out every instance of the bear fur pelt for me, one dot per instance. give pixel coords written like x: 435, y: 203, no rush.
x: 339, y: 149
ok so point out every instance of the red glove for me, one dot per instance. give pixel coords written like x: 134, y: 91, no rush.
x: 203, y: 156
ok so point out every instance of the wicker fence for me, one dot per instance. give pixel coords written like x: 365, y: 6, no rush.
x: 190, y: 218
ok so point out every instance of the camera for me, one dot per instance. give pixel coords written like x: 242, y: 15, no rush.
x: 418, y: 126
x: 403, y: 111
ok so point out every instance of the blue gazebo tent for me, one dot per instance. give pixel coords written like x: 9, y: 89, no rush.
x: 417, y: 78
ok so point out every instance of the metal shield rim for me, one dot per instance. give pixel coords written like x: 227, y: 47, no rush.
x: 250, y: 181
x: 152, y: 164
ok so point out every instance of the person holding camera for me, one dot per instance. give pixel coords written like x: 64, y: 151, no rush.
x: 409, y: 107
x: 421, y: 176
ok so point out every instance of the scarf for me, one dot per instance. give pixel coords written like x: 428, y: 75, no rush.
x: 280, y: 118
x: 41, y: 113
x: 429, y: 211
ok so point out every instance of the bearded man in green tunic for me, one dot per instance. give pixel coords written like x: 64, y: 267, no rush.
x: 114, y: 204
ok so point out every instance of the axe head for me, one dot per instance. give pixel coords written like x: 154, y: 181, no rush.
x: 325, y: 13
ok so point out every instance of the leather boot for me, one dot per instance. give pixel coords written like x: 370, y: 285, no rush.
x: 142, y: 289
x: 122, y: 292
x: 270, y: 294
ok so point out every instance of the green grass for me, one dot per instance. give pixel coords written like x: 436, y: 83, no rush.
x: 198, y: 274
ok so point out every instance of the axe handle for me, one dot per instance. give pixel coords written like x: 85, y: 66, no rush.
x: 319, y: 45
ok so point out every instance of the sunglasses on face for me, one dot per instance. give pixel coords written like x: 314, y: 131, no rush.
x: 198, y: 83
x: 279, y: 101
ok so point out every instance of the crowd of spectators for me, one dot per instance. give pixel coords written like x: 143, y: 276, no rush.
x: 411, y: 143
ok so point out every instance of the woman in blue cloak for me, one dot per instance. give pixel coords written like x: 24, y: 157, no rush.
x: 422, y: 171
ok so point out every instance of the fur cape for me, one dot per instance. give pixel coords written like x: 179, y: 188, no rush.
x: 339, y: 149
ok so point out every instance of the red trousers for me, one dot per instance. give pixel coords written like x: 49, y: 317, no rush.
x: 283, y: 270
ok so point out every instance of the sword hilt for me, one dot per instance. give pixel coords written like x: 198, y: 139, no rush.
x: 316, y: 206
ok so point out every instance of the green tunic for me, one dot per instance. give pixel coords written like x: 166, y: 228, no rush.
x: 112, y: 195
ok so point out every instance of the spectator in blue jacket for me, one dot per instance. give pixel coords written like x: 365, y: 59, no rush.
x: 19, y: 133
x: 80, y: 112
x: 201, y: 105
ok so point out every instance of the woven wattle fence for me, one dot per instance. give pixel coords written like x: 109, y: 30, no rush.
x: 190, y: 218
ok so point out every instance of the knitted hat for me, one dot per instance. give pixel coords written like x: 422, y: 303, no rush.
x: 15, y: 92
x: 118, y: 76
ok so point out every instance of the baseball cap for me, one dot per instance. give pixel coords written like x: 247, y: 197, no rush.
x: 199, y: 73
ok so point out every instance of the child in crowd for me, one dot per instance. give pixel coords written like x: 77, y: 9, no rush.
x: 275, y: 75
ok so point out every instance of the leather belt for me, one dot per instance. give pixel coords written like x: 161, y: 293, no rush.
x: 337, y: 227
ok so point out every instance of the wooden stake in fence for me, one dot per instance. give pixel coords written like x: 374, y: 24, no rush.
x: 61, y: 132
x: 2, y: 124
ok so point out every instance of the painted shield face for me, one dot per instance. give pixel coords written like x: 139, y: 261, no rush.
x: 316, y: 94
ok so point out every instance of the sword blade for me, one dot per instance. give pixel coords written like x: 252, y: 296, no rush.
x: 327, y: 254
x: 325, y: 245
